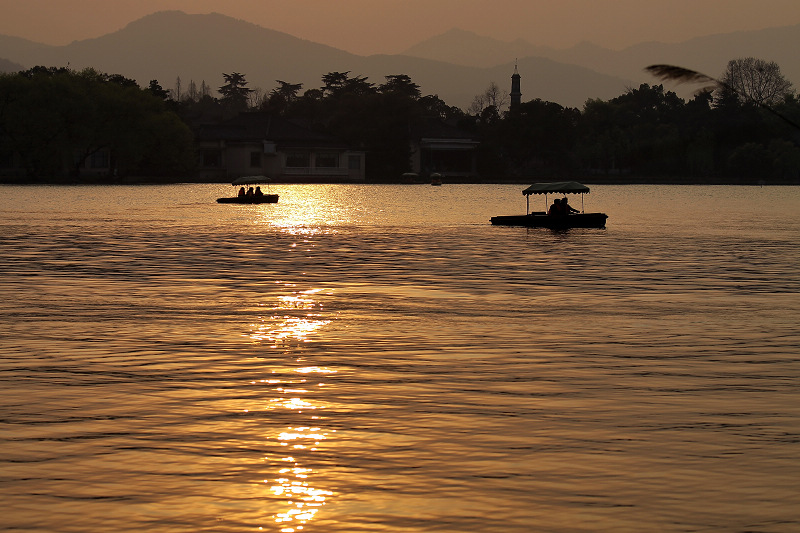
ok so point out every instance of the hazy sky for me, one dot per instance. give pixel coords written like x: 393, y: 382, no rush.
x: 390, y: 26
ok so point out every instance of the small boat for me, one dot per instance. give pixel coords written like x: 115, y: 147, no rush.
x: 256, y: 198
x: 541, y: 219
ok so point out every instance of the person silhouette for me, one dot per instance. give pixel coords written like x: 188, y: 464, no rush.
x: 566, y: 209
x: 555, y: 209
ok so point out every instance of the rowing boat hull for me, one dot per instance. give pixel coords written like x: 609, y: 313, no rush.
x: 266, y: 199
x: 581, y: 220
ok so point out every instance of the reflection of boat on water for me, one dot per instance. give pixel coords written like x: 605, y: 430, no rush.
x: 250, y: 199
x: 436, y: 179
x: 540, y: 219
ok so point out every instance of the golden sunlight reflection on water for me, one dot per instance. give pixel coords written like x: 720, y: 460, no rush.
x: 302, y: 500
x: 294, y: 482
x: 312, y: 209
x: 293, y: 317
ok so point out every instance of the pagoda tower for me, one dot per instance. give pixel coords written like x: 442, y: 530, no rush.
x: 516, y: 94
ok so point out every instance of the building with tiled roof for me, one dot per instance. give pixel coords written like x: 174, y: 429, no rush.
x: 259, y: 143
x: 437, y: 147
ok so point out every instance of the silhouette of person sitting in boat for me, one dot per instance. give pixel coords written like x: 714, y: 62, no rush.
x: 555, y: 209
x: 241, y: 192
x: 566, y: 209
x: 258, y: 192
x: 250, y: 192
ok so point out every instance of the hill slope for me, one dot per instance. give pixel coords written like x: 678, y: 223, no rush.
x: 708, y: 54
x: 171, y: 44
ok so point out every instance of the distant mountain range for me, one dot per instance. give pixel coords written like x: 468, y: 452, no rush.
x: 456, y: 65
x: 709, y: 54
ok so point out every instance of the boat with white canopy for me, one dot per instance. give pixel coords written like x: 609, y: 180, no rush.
x: 553, y: 218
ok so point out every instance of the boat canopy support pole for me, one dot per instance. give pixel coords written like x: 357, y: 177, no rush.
x: 527, y: 204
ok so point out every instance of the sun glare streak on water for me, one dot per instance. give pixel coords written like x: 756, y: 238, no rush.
x: 380, y: 358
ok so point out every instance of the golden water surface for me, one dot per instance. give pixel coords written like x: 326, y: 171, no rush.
x: 381, y: 358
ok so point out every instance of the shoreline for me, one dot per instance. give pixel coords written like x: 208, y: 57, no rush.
x: 593, y: 180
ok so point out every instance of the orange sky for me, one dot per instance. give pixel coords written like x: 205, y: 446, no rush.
x: 390, y: 26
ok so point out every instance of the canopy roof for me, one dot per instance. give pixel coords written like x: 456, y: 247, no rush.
x: 565, y: 187
x: 250, y: 180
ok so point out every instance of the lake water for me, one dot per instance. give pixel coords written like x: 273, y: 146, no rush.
x: 379, y: 358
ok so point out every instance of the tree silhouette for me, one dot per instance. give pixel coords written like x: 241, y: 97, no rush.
x: 400, y: 84
x: 757, y: 81
x: 56, y: 119
x: 235, y: 92
x: 685, y: 75
x: 283, y: 96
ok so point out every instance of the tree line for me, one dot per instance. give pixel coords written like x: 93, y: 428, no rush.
x: 53, y: 119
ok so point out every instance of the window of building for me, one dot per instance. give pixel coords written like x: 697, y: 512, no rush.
x: 212, y: 158
x: 6, y: 159
x: 327, y: 160
x: 354, y: 162
x: 255, y: 159
x: 99, y: 159
x: 297, y: 159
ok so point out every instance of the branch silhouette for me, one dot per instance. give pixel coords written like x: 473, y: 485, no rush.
x: 685, y: 75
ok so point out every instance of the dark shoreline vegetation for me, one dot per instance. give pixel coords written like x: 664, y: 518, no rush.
x: 588, y: 180
x: 54, y: 121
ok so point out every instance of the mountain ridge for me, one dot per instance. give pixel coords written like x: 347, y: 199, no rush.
x: 708, y: 53
x: 167, y: 45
